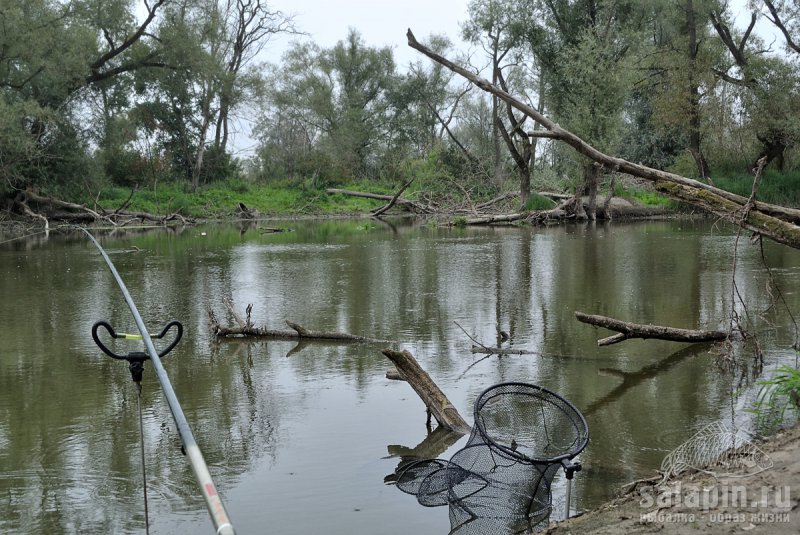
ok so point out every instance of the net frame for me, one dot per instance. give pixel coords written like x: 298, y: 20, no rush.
x: 495, y: 481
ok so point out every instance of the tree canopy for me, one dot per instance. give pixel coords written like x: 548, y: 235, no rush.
x: 124, y: 92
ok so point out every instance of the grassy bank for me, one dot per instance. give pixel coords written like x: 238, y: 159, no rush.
x: 775, y: 187
x: 222, y: 199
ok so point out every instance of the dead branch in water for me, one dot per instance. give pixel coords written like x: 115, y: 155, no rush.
x: 500, y: 350
x: 486, y: 350
x: 430, y: 394
x: 628, y: 330
x: 246, y: 328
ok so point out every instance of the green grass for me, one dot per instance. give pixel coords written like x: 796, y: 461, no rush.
x: 639, y: 195
x: 774, y: 187
x: 538, y: 202
x: 777, y: 395
x: 222, y: 200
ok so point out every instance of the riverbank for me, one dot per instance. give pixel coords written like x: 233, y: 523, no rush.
x: 766, y: 502
x: 235, y: 199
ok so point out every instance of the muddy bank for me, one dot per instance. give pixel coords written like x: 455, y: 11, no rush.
x: 766, y: 502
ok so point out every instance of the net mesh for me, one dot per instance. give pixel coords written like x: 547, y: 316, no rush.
x: 718, y: 451
x: 500, y: 481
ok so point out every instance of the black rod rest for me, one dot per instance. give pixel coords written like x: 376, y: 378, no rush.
x: 136, y: 358
x: 571, y: 467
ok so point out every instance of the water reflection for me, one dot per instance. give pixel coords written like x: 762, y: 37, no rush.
x: 296, y: 434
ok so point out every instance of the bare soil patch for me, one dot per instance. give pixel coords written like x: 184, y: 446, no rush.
x: 766, y: 502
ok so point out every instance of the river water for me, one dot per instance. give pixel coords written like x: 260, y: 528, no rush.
x: 302, y: 438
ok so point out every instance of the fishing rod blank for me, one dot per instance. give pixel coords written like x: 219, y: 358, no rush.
x: 213, y: 501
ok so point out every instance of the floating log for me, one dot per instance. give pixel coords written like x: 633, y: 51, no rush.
x: 628, y: 330
x: 430, y: 394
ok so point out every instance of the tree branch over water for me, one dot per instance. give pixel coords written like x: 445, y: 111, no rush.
x: 776, y: 222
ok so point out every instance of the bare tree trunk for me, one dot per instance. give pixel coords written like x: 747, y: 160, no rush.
x: 774, y: 148
x: 498, y: 162
x: 592, y: 177
x: 694, y: 96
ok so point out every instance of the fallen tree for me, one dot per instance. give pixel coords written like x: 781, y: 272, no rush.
x: 775, y: 222
x: 628, y: 330
x: 400, y: 202
x: 48, y: 209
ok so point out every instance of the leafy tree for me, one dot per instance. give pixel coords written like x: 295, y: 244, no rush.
x: 53, y: 57
x: 769, y: 83
x: 587, y: 49
x: 338, y: 101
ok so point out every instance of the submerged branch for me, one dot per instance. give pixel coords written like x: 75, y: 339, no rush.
x: 430, y: 394
x: 245, y: 328
x: 628, y: 330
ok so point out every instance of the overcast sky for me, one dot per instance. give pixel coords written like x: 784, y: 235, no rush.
x: 380, y: 22
x: 384, y: 23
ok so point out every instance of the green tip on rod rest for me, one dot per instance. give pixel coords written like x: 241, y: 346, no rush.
x: 136, y: 358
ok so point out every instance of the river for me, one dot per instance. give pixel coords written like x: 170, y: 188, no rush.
x: 300, y: 439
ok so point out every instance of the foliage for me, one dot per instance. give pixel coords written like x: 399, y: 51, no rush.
x: 777, y: 395
x: 774, y: 186
x: 143, y: 94
x: 335, y: 104
x: 539, y: 202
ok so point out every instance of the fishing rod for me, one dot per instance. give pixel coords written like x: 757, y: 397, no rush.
x: 213, y: 501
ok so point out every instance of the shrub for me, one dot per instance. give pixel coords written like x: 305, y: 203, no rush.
x: 538, y: 202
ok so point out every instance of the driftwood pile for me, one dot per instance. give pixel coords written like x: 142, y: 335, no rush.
x: 48, y: 209
x: 495, y: 211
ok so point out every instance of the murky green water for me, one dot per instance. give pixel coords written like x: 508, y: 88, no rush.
x: 300, y: 438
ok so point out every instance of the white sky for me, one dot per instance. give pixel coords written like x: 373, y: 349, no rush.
x: 384, y: 23
x: 380, y: 23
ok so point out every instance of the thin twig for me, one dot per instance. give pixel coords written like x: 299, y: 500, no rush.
x: 471, y: 338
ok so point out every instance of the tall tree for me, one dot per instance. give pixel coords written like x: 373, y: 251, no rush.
x: 340, y: 96
x: 246, y: 28
x: 678, y: 73
x: 769, y: 83
x: 491, y: 25
x: 586, y: 49
x: 99, y: 43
